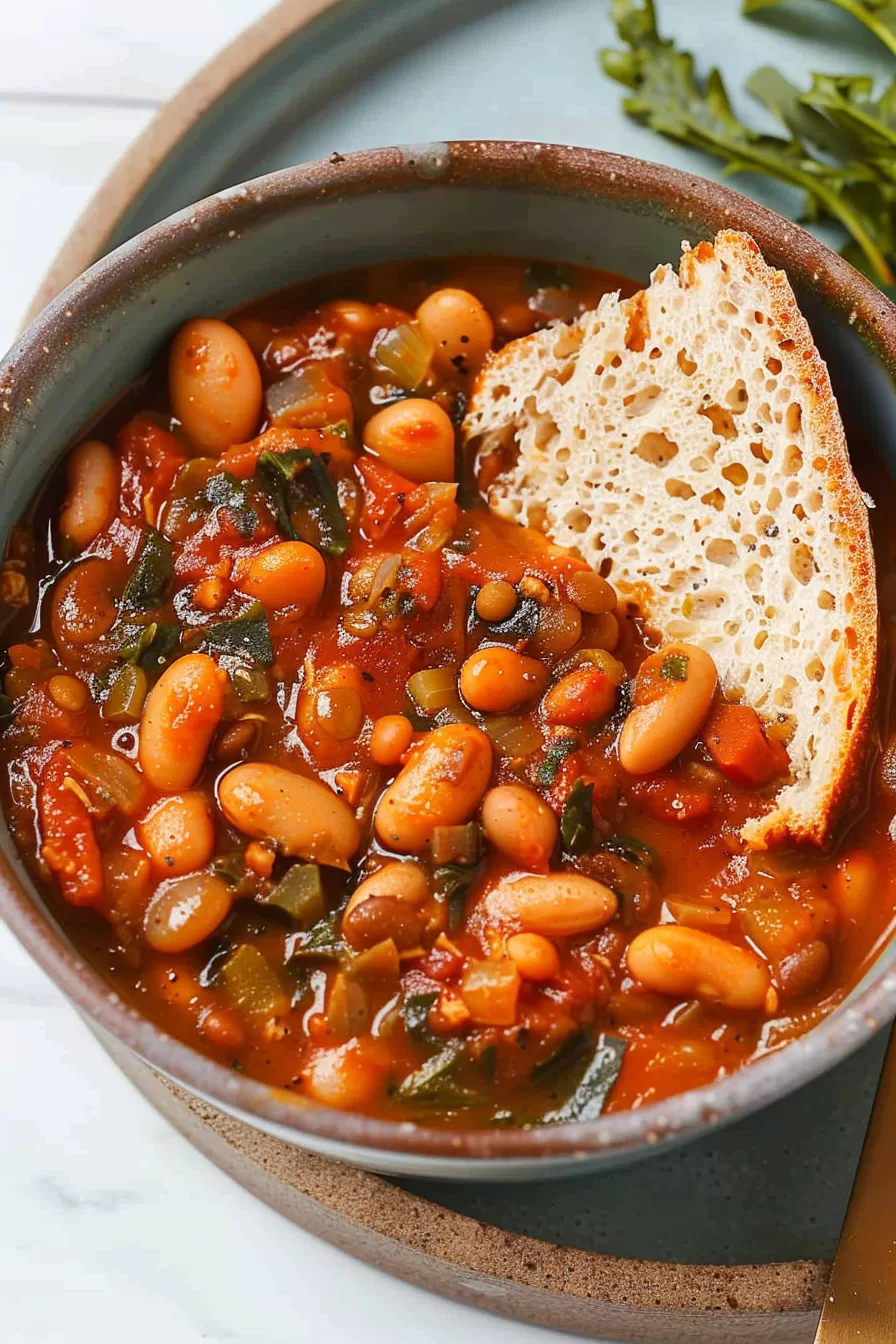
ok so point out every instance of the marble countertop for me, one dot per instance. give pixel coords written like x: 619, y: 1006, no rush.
x: 113, y: 1228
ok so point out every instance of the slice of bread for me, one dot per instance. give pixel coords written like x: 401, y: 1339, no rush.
x: 687, y: 443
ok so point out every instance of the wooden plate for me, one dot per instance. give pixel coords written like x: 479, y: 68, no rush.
x: 727, y: 1239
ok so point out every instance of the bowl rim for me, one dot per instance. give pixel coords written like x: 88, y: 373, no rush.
x: 698, y: 205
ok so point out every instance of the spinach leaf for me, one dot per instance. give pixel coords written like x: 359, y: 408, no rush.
x: 415, y: 1012
x: 322, y: 942
x: 588, y: 1071
x: 453, y: 882
x: 246, y: 636
x: 557, y: 751
x: 632, y: 850
x: 577, y: 820
x: 152, y: 573
x: 279, y: 471
x: 437, y: 1082
x: 223, y: 491
x: 149, y: 645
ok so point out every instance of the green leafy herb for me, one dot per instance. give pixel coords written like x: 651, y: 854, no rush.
x: 279, y: 471
x: 584, y: 1072
x: 437, y: 1082
x: 878, y: 16
x: 246, y: 636
x: 577, y: 819
x: 415, y: 1011
x: 149, y: 645
x: 300, y: 894
x: 557, y: 751
x: 152, y: 573
x: 322, y: 942
x: 453, y: 882
x: 675, y: 667
x: 632, y: 850
x: 847, y: 179
x: 223, y: 491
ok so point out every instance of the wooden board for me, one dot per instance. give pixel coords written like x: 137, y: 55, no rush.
x: 434, y: 1247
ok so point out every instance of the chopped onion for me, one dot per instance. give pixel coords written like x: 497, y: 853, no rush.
x: 513, y: 736
x: 113, y: 779
x: 406, y: 352
x: 434, y: 689
x: 348, y: 1008
x: 384, y: 577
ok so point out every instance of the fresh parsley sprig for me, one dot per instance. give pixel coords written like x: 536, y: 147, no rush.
x: 839, y: 146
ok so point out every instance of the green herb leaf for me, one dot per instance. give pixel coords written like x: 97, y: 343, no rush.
x: 436, y: 1083
x: 152, y: 573
x: 223, y: 491
x: 415, y: 1012
x: 453, y: 882
x: 149, y: 645
x: 557, y: 751
x: 322, y: 942
x: 246, y: 636
x: 667, y: 96
x: 878, y: 16
x: 577, y: 819
x: 595, y: 1082
x: 675, y: 667
x: 632, y: 850
x: 278, y: 473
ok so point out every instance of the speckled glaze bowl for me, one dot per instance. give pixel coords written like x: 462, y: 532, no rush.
x: 562, y: 203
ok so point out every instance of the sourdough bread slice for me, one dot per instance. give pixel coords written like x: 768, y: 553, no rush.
x: 686, y: 441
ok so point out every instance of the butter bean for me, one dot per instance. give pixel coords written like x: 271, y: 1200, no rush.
x: 179, y: 717
x: 520, y: 824
x: 302, y: 816
x: 499, y: 678
x: 441, y: 785
x: 214, y: 383
x: 689, y: 963
x: 673, y: 695
x: 559, y: 905
x: 93, y: 479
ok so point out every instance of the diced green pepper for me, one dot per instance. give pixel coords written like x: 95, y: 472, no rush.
x: 300, y: 894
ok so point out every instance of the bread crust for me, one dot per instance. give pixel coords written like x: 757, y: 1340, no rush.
x: 791, y: 818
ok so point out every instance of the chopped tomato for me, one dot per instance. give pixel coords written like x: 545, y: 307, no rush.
x: 667, y: 798
x: 242, y: 459
x: 150, y: 458
x: 69, y: 848
x: 420, y: 577
x: 734, y: 738
x: 385, y: 493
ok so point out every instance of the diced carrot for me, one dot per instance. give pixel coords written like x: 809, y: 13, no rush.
x: 351, y: 785
x: 69, y: 848
x: 734, y: 738
x: 667, y: 798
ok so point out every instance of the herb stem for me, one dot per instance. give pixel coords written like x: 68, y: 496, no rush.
x: 870, y: 20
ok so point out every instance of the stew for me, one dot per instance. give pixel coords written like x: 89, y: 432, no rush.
x: 375, y: 797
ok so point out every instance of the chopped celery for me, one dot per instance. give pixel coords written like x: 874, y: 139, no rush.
x: 300, y: 894
x: 348, y: 1008
x: 252, y: 984
x: 379, y: 963
x: 406, y: 352
x: 433, y: 689
x: 124, y: 702
x: 456, y: 844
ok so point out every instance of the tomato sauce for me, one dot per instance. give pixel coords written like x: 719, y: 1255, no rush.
x: 331, y: 570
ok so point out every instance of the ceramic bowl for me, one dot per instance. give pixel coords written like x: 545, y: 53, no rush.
x: 562, y: 203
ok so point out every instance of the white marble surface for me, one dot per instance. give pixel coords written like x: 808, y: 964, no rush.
x: 111, y: 1227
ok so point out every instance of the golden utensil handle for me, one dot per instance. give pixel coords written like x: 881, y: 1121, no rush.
x: 860, y: 1302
